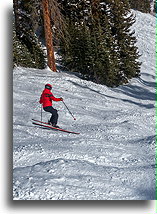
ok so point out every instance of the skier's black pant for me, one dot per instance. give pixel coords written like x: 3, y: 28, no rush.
x: 54, y: 117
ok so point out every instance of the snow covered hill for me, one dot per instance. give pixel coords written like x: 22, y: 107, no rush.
x: 113, y: 158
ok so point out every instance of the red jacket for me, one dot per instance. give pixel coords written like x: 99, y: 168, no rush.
x: 47, y: 97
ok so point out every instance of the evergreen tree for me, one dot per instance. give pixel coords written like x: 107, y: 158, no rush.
x: 100, y: 43
x: 77, y: 47
x: 25, y: 34
x: 154, y: 10
x: 121, y: 21
x: 21, y: 54
x: 141, y: 5
x: 106, y: 58
x: 87, y: 51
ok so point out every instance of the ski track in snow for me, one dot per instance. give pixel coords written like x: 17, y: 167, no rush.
x: 114, y: 156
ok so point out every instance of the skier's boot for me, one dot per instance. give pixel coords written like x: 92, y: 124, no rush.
x: 55, y: 125
x: 49, y: 122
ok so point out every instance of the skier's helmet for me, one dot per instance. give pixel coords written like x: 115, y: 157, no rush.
x: 48, y: 86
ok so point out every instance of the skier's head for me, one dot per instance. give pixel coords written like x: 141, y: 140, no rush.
x: 48, y: 86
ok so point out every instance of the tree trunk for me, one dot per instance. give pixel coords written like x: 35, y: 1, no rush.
x: 48, y: 35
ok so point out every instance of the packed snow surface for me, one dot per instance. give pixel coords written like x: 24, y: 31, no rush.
x: 113, y: 157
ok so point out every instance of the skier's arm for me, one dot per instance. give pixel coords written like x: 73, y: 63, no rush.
x: 52, y: 97
x: 56, y: 99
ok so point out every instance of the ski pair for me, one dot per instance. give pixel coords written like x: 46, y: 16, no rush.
x: 46, y: 125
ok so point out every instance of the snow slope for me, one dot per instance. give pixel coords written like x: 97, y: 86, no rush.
x: 114, y: 156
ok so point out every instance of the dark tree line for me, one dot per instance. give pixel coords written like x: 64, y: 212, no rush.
x: 94, y: 37
x: 101, y: 45
x: 27, y: 50
x: 141, y: 5
x: 155, y: 10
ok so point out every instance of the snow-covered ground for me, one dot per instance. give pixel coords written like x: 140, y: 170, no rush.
x: 113, y: 158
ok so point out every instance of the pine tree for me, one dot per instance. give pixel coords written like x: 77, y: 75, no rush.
x: 101, y: 45
x: 154, y: 9
x: 87, y: 51
x: 121, y: 21
x: 25, y: 33
x: 141, y: 5
x: 21, y: 54
x: 106, y: 59
x: 75, y: 48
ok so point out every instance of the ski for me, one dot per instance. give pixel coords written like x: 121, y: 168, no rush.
x: 40, y: 121
x: 46, y: 125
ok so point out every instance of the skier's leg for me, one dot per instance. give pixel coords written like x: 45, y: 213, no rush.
x: 54, y: 116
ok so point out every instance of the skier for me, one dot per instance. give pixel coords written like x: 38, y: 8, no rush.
x: 46, y: 101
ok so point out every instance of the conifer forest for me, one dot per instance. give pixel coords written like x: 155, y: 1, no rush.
x: 92, y: 37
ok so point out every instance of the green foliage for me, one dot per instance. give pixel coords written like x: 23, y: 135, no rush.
x: 141, y: 5
x: 21, y: 55
x: 125, y: 40
x: 154, y: 9
x: 27, y: 50
x: 96, y: 41
x: 100, y: 44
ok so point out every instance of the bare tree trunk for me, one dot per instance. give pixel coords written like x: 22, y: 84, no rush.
x: 48, y: 35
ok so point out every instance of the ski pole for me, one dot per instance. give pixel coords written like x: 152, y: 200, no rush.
x: 41, y: 113
x: 69, y: 110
